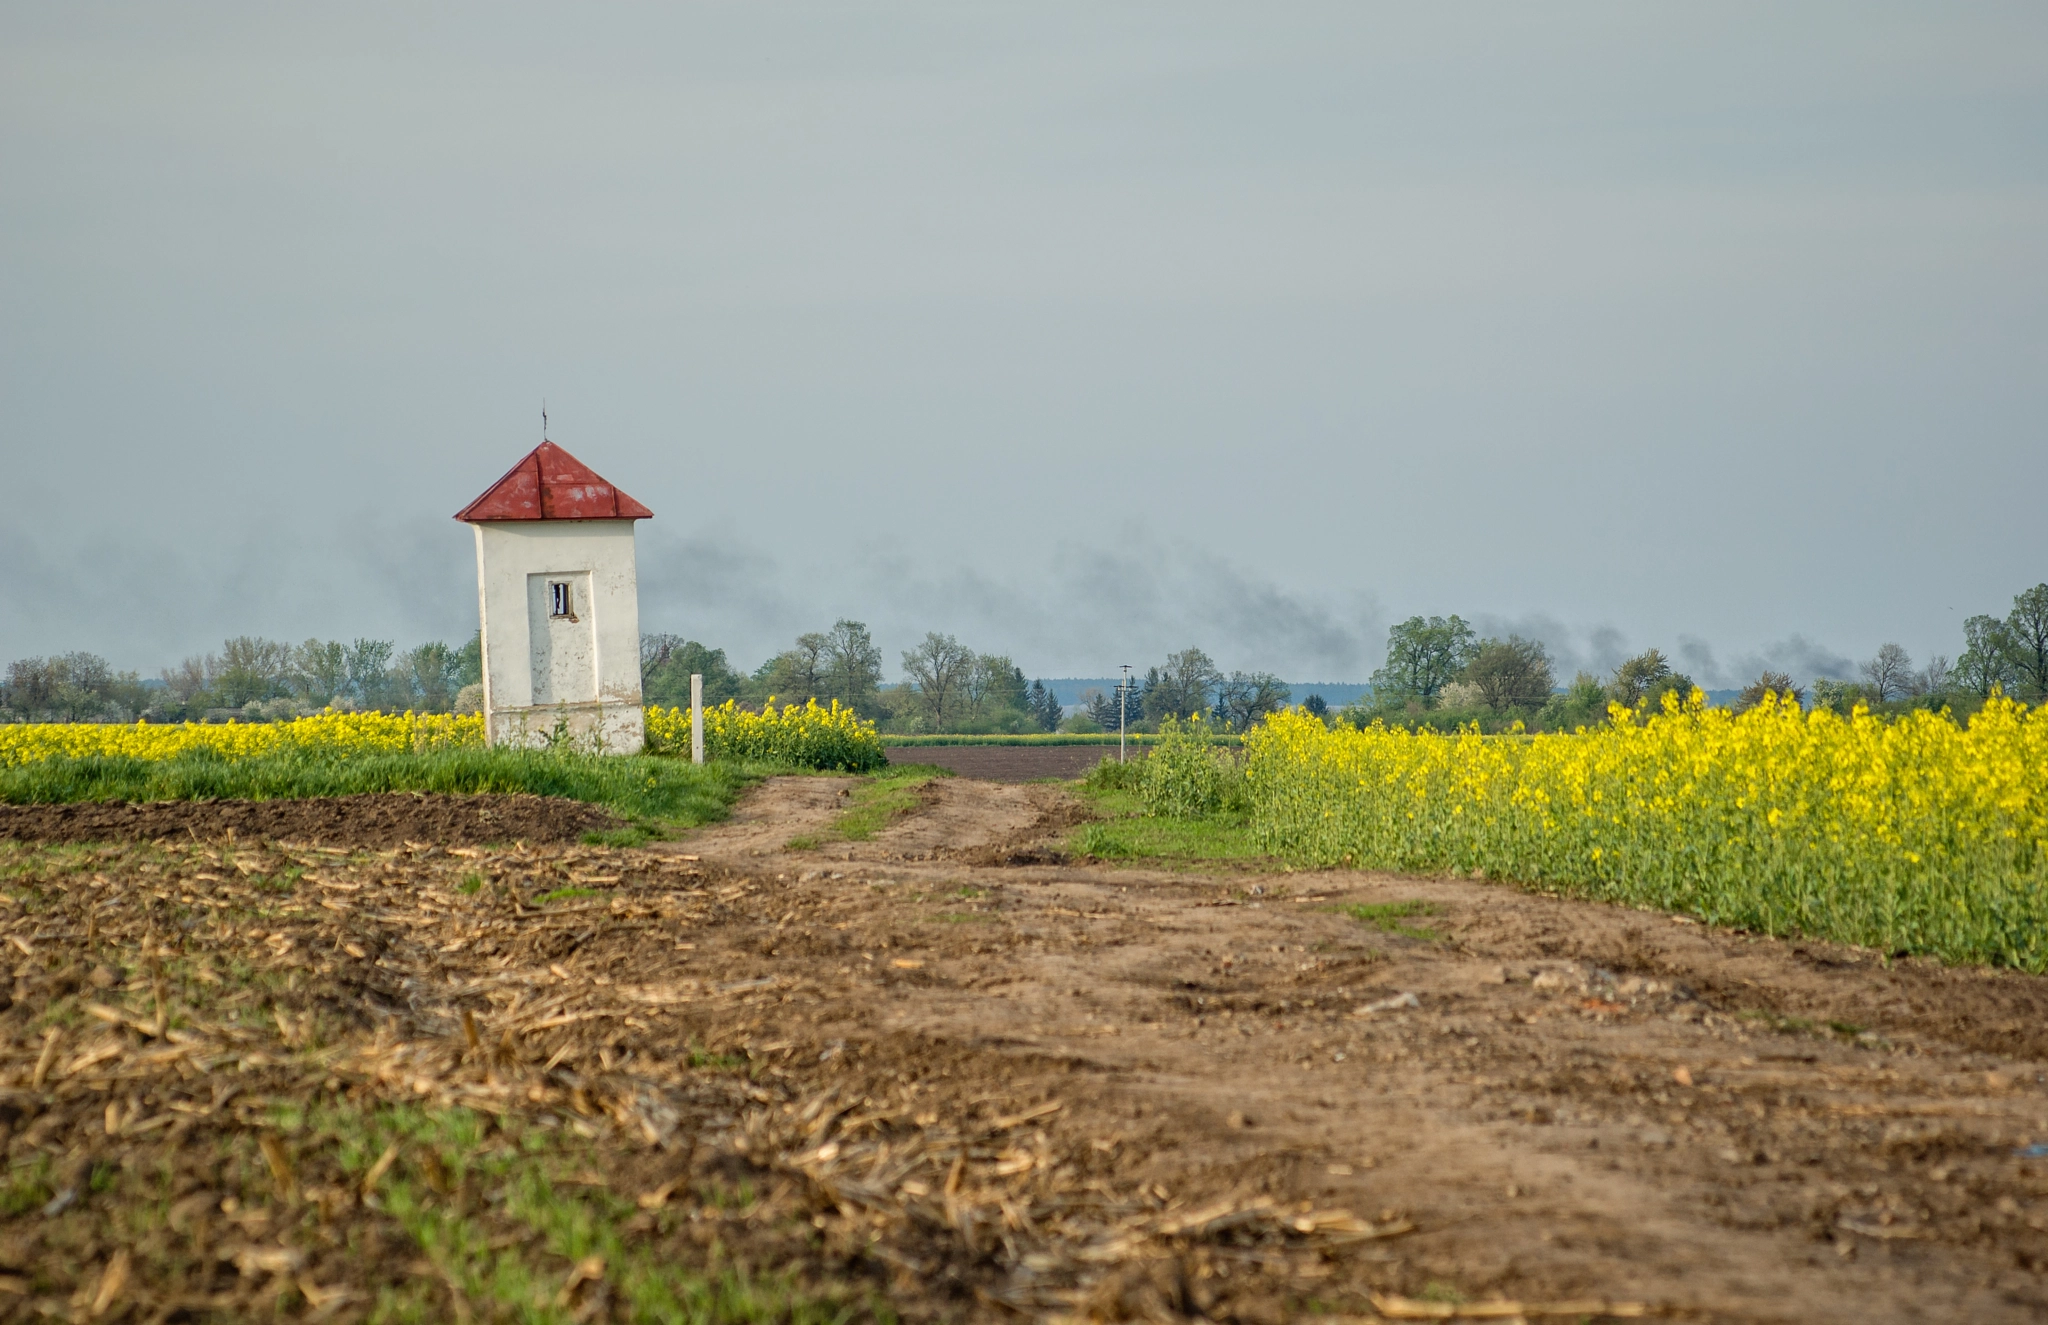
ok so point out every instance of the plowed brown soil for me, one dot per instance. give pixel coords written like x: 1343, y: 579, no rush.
x: 1004, y: 1092
x: 381, y: 820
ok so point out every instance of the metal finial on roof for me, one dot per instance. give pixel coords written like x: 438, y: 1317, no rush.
x: 543, y: 418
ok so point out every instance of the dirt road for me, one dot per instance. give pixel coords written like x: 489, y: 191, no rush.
x: 1568, y: 1100
x: 996, y: 1084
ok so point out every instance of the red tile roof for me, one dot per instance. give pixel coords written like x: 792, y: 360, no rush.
x: 550, y: 484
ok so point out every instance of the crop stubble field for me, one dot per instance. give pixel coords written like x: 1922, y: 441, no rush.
x: 909, y: 1075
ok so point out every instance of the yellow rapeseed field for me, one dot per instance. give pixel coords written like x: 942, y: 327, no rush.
x: 809, y: 736
x: 1912, y: 833
x: 322, y: 734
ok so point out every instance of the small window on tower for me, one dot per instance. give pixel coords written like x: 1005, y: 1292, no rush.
x: 559, y: 603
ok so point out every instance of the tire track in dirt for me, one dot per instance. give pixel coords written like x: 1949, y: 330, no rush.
x: 771, y: 814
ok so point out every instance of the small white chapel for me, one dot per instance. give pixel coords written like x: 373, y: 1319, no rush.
x: 560, y: 606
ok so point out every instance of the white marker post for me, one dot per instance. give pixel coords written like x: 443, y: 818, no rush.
x: 696, y: 718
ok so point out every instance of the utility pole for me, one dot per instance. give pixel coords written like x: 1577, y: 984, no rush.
x: 1123, y: 711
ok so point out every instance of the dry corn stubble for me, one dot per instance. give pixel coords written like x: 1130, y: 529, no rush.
x: 244, y: 1077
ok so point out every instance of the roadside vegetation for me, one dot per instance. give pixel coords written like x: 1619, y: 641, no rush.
x: 1167, y: 809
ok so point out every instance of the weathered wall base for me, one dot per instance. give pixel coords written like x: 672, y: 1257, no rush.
x: 590, y: 728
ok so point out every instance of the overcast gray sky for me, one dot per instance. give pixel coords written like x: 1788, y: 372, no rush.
x: 1081, y: 331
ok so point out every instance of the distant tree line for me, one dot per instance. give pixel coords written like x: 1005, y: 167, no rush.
x: 2000, y: 655
x: 948, y: 687
x: 1187, y: 685
x: 1438, y: 671
x: 251, y: 678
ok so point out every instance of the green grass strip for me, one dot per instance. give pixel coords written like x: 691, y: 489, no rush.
x: 1386, y: 917
x: 876, y: 802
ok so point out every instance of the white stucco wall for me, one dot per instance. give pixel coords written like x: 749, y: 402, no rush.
x: 543, y: 674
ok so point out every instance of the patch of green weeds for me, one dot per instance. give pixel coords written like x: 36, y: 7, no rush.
x: 882, y: 797
x: 702, y: 1059
x: 636, y: 834
x: 281, y: 883
x: 1112, y: 775
x: 1125, y: 832
x: 967, y: 892
x: 471, y: 883
x: 803, y: 842
x: 554, y: 895
x: 1386, y: 917
x: 27, y: 1188
x: 461, y: 1178
x: 738, y: 1197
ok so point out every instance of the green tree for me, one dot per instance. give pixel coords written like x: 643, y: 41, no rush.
x: 1988, y: 657
x: 1768, y: 682
x: 1045, y: 706
x: 797, y: 674
x: 186, y: 682
x: 1513, y: 673
x: 1838, y: 696
x: 369, y: 672
x: 668, y: 661
x: 424, y: 678
x: 994, y: 685
x: 250, y: 668
x: 1583, y: 704
x: 1889, y: 674
x: 469, y: 662
x: 1643, y: 681
x: 2028, y: 629
x: 1113, y: 711
x: 851, y: 666
x: 70, y: 687
x: 1245, y: 697
x: 321, y: 668
x: 1423, y: 655
x: 938, y: 669
x: 1180, y: 689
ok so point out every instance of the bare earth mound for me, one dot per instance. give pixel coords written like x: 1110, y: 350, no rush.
x: 383, y: 820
